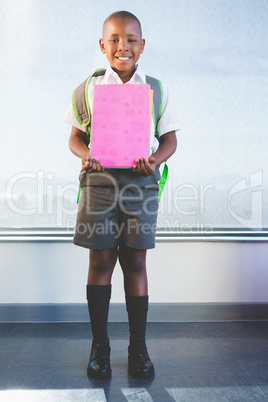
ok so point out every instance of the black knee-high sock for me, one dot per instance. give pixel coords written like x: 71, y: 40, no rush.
x: 137, y: 307
x: 98, y: 298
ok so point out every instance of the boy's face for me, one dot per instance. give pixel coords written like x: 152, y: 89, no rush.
x: 122, y: 44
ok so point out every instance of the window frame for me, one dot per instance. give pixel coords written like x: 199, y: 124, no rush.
x: 65, y: 235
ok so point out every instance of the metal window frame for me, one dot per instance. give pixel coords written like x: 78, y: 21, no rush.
x: 162, y: 236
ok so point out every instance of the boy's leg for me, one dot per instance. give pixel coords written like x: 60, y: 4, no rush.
x: 101, y: 267
x: 133, y: 263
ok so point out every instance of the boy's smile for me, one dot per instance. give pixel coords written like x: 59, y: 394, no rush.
x: 123, y: 45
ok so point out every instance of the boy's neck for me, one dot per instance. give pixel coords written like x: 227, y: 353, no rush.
x: 125, y: 76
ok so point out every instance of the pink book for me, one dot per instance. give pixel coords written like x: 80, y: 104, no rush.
x: 120, y: 126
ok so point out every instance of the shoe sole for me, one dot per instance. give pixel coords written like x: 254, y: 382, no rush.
x: 140, y: 375
x: 94, y: 374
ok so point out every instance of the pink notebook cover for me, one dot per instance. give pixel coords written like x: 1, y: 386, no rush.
x: 120, y: 127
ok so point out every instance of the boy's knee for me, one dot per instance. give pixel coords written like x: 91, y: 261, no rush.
x: 136, y: 266
x: 102, y: 261
x: 134, y: 261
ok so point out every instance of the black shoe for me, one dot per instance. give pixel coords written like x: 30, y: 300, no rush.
x: 99, y: 361
x: 139, y: 362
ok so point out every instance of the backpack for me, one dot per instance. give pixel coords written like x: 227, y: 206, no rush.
x: 83, y: 115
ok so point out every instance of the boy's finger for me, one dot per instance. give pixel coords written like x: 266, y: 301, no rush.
x: 138, y: 165
x: 100, y: 167
x: 148, y: 167
x: 143, y: 167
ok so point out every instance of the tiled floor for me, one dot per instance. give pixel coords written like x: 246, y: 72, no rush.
x: 194, y: 362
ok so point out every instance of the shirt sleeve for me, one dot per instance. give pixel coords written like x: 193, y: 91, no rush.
x: 69, y: 117
x: 168, y: 119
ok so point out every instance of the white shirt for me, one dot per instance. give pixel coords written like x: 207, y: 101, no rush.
x: 166, y: 123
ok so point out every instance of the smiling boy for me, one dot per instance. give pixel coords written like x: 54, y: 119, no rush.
x: 122, y: 43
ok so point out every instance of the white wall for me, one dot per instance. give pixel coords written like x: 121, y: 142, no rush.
x: 186, y: 272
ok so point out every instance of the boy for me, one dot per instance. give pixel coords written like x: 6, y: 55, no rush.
x: 124, y: 202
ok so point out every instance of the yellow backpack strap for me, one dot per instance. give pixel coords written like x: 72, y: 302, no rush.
x: 156, y: 86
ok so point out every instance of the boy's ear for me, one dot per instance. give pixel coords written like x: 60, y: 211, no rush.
x: 102, y: 47
x: 142, y: 46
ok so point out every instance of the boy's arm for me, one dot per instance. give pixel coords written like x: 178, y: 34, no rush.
x: 167, y: 147
x: 78, y: 146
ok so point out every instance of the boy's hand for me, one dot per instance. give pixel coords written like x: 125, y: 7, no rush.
x: 145, y: 166
x: 91, y: 164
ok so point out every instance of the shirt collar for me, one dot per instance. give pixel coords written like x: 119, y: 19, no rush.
x: 138, y: 77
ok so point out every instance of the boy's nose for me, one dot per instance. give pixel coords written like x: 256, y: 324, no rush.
x: 122, y: 45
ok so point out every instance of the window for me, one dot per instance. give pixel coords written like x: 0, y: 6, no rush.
x: 211, y: 55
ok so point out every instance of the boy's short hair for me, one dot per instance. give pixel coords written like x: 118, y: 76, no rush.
x: 124, y: 15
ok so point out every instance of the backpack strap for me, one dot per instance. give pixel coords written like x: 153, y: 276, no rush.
x: 162, y: 181
x: 156, y: 86
x: 80, y: 102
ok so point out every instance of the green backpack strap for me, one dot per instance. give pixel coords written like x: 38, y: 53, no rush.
x: 80, y: 102
x: 162, y: 181
x: 156, y: 86
x: 81, y: 107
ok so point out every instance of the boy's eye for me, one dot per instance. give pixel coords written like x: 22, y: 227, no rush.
x: 117, y: 40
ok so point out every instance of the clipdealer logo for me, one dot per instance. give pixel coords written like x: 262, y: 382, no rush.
x: 254, y: 186
x: 50, y: 198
